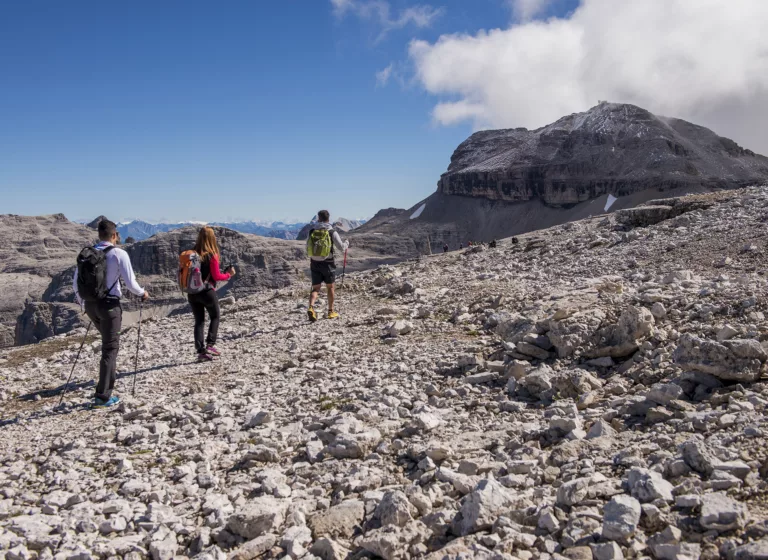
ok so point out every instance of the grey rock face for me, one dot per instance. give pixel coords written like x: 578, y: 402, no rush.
x: 41, y: 320
x: 35, y: 250
x: 584, y: 155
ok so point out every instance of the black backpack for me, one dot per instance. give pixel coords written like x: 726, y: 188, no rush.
x: 92, y: 274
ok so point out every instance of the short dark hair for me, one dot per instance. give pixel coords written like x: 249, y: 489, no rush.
x: 323, y: 216
x: 106, y: 230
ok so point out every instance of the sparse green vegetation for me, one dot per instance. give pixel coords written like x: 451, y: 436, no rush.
x: 45, y: 349
x: 329, y: 403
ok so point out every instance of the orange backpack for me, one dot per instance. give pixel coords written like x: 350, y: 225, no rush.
x: 190, y: 274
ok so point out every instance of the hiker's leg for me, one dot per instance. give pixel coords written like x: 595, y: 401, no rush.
x: 91, y: 309
x: 214, y: 312
x: 314, y: 293
x: 198, y: 310
x: 317, y: 282
x: 93, y: 314
x: 111, y: 317
x: 329, y: 277
x: 331, y: 295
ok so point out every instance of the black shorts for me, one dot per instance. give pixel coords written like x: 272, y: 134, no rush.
x: 322, y: 271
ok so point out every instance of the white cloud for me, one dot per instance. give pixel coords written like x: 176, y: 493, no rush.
x: 383, y: 76
x: 380, y: 12
x: 341, y: 6
x: 525, y: 10
x: 705, y: 60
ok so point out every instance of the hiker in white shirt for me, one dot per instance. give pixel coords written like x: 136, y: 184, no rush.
x: 106, y: 314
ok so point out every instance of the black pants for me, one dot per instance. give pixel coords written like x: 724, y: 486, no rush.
x: 107, y: 317
x: 207, y: 300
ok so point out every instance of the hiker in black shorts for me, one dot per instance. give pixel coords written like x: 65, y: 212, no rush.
x: 320, y: 247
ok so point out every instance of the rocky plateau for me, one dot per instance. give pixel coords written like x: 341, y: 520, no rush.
x: 594, y: 390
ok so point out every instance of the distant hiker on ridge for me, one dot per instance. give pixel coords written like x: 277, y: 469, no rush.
x: 198, y: 273
x: 445, y: 247
x: 320, y: 248
x: 97, y: 286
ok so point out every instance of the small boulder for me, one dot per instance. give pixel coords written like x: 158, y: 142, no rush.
x: 721, y: 513
x: 480, y: 509
x: 621, y: 516
x: 257, y: 517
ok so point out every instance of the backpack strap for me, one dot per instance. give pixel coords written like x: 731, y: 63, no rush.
x: 106, y: 251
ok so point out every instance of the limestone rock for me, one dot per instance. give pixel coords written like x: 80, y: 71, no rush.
x: 647, y: 486
x: 394, y: 509
x: 733, y: 360
x: 482, y: 506
x: 621, y: 517
x: 721, y: 513
x: 339, y: 521
x: 254, y: 548
x: 257, y: 517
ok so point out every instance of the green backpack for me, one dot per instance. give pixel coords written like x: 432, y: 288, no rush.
x: 319, y: 243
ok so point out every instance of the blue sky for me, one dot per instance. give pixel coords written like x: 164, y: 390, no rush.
x: 229, y: 110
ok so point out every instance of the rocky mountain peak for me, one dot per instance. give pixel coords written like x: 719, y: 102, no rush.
x: 616, y: 149
x: 94, y: 224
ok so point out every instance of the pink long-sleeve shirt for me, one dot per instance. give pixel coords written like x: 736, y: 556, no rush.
x: 216, y: 275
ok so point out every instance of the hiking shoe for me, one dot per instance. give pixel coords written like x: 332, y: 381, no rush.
x: 312, y: 314
x: 212, y: 351
x: 333, y: 315
x: 101, y: 403
x: 204, y: 357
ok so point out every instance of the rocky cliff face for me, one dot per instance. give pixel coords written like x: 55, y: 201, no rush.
x: 261, y: 262
x: 38, y: 262
x: 41, y: 320
x: 34, y: 251
x: 610, y: 149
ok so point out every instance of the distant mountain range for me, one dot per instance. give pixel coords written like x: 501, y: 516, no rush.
x: 140, y: 230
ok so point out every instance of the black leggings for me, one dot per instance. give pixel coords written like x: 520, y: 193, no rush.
x: 200, y: 302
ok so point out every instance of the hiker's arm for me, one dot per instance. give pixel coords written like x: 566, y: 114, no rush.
x: 341, y: 246
x: 126, y: 273
x: 216, y: 274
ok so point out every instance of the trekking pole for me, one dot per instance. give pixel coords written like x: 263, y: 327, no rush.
x: 136, y: 361
x: 344, y: 269
x: 343, y: 272
x: 73, y: 365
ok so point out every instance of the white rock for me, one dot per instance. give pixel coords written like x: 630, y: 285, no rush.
x: 621, y: 516
x: 480, y: 509
x: 721, y: 513
x: 257, y: 517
